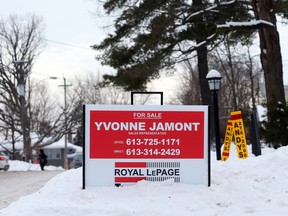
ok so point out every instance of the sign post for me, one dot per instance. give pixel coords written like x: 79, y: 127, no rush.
x: 126, y: 144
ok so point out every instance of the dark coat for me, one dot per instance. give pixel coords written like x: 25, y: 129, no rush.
x: 42, y: 158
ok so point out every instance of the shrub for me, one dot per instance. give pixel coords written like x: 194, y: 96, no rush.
x: 274, y: 130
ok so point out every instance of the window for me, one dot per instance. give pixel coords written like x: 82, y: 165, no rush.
x: 53, y: 153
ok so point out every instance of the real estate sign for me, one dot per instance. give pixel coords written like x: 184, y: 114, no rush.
x: 125, y: 144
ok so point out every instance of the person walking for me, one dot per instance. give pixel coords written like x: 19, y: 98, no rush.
x: 42, y: 159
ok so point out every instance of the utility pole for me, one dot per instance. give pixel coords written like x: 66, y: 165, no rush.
x: 23, y: 114
x: 65, y: 122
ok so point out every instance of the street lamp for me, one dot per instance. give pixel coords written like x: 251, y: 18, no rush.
x: 214, y: 81
x: 48, y: 78
x: 65, y: 159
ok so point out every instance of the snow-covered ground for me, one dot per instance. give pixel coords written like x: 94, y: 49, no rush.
x: 256, y: 186
x: 23, y: 166
x: 22, y: 179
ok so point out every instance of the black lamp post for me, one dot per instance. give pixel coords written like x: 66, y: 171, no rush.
x: 214, y: 81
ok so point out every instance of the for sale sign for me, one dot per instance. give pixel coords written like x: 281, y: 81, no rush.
x: 125, y: 144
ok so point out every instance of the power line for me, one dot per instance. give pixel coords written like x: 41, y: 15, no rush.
x: 66, y: 44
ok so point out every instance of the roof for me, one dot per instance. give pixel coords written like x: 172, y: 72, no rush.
x: 34, y: 137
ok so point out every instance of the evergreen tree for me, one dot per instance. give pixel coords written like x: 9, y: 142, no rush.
x: 274, y: 130
x: 152, y: 35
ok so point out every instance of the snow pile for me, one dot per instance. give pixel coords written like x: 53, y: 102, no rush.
x: 24, y: 166
x: 256, y: 186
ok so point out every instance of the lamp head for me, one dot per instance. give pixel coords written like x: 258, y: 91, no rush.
x: 214, y: 80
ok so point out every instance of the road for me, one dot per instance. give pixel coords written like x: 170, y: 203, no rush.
x: 14, y: 185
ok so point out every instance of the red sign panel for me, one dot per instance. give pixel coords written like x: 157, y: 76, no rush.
x: 146, y: 134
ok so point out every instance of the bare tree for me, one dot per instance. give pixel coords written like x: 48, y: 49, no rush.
x: 241, y: 75
x: 21, y: 41
x: 45, y: 113
x: 89, y: 90
x: 241, y: 84
x: 189, y: 89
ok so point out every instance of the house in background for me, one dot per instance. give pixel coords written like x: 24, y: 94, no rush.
x: 54, y: 151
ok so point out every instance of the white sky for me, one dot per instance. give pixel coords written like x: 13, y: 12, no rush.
x: 256, y: 186
x: 67, y: 21
x: 72, y: 22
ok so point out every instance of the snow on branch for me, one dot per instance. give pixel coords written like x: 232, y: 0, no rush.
x: 211, y: 8
x: 251, y: 24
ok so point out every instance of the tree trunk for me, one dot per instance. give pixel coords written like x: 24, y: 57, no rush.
x: 28, y: 150
x: 206, y: 94
x: 202, y: 54
x: 271, y: 58
x: 203, y: 70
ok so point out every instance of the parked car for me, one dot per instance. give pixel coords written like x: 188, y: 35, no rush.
x: 4, y: 161
x: 77, y: 161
